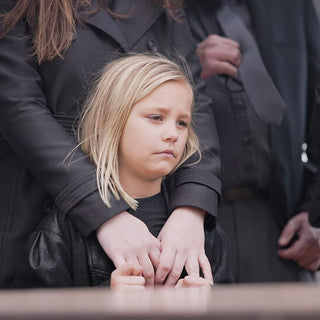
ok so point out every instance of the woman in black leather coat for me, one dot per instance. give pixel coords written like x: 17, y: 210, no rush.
x: 45, y: 69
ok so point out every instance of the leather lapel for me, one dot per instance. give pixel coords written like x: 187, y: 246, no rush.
x: 142, y: 15
x: 103, y: 21
x: 127, y: 31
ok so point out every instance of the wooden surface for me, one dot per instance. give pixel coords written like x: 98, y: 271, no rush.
x: 293, y: 301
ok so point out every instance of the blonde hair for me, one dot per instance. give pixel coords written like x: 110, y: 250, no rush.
x: 122, y: 84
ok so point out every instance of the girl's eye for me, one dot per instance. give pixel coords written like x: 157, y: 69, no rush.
x: 155, y: 117
x: 182, y: 123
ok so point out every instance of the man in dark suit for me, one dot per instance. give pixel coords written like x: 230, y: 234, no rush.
x: 261, y: 60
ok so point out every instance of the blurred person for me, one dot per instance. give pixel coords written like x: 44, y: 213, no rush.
x: 261, y: 60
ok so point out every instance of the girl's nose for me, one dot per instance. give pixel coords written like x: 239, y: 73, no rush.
x: 170, y: 133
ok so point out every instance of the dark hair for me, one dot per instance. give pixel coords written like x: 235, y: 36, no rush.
x: 52, y: 23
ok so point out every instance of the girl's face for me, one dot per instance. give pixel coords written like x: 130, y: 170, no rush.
x: 155, y: 134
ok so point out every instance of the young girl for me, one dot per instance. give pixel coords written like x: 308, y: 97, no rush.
x: 136, y: 128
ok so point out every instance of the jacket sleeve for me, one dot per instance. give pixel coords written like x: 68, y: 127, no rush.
x: 41, y: 143
x: 198, y: 185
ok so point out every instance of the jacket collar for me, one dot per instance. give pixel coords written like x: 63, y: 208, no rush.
x: 127, y: 31
x: 103, y: 21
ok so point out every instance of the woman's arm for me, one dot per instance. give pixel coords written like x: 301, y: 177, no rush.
x: 39, y: 140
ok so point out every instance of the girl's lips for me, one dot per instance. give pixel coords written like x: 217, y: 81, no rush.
x: 167, y: 152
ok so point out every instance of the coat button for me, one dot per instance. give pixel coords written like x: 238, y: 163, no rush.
x: 152, y: 45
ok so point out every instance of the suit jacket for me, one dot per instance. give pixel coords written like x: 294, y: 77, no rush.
x: 40, y: 102
x: 311, y: 192
x: 286, y: 33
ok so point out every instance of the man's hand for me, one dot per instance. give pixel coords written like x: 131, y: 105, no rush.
x: 219, y: 55
x: 126, y: 238
x: 305, y: 251
x: 127, y: 276
x: 182, y: 245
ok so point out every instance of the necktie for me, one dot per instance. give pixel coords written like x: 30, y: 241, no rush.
x: 262, y: 93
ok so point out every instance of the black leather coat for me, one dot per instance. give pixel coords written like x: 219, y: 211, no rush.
x: 57, y: 255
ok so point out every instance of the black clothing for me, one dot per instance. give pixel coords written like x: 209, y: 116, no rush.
x: 56, y: 255
x: 40, y: 102
x: 260, y: 89
x: 241, y: 133
x: 253, y: 236
x: 311, y: 195
x: 246, y: 136
x: 261, y: 165
x: 286, y: 39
